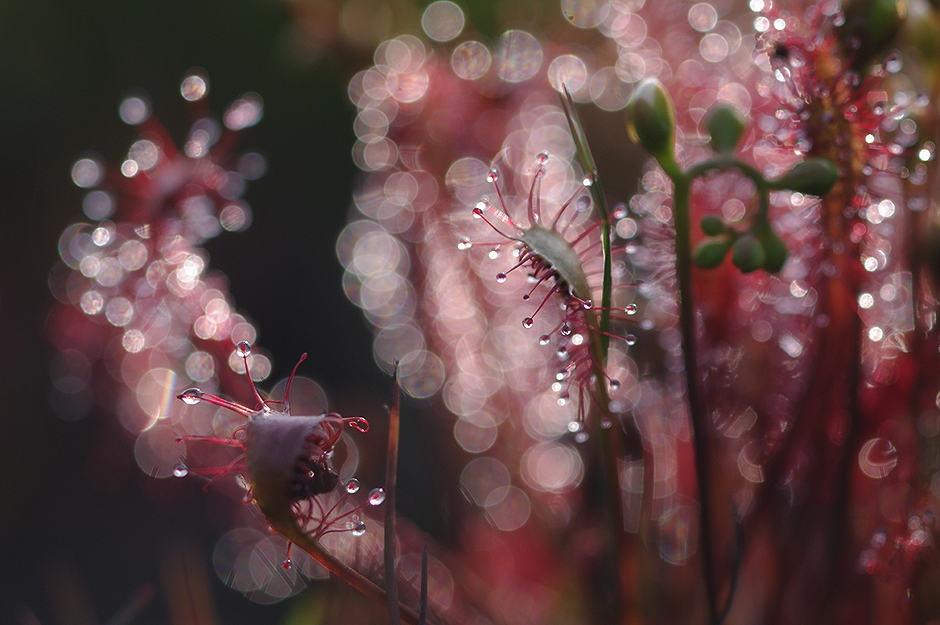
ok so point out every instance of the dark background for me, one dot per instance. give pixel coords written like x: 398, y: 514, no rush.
x: 64, y: 68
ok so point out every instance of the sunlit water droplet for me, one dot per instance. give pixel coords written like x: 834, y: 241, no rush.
x: 542, y: 158
x: 615, y: 385
x: 287, y: 564
x: 630, y: 339
x: 464, y: 244
x: 352, y: 485
x: 356, y: 528
x: 134, y: 110
x: 544, y: 339
x: 528, y: 322
x: 243, y: 349
x: 191, y: 396
x: 630, y: 309
x: 92, y: 303
x: 563, y: 399
x: 376, y: 497
x: 194, y: 87
x: 180, y: 470
x: 87, y: 173
x: 492, y: 175
x: 588, y: 180
x: 244, y: 112
x: 501, y: 277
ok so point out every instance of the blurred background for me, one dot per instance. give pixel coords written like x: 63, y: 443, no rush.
x: 84, y: 534
x: 87, y: 537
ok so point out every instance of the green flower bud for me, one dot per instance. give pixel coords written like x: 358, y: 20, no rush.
x: 775, y: 252
x: 712, y: 225
x: 814, y: 176
x: 711, y: 252
x: 725, y: 125
x: 748, y: 253
x: 651, y: 120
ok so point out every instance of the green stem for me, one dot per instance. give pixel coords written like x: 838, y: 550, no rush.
x: 608, y: 437
x: 722, y: 163
x: 697, y: 415
x: 610, y: 440
x: 725, y: 162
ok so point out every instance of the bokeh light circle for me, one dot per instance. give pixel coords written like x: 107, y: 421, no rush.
x: 471, y: 60
x: 518, y: 56
x: 442, y: 20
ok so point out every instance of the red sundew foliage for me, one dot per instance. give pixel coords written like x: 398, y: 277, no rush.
x: 141, y: 315
x: 142, y: 299
x: 820, y: 365
x: 306, y: 443
x: 815, y: 378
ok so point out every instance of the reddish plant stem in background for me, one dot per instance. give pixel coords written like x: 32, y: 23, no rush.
x: 391, y: 480
x: 423, y: 613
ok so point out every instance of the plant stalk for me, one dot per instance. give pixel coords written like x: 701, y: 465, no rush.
x: 697, y: 415
x: 391, y: 480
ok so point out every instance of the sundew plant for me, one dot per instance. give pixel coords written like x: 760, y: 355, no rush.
x: 662, y: 276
